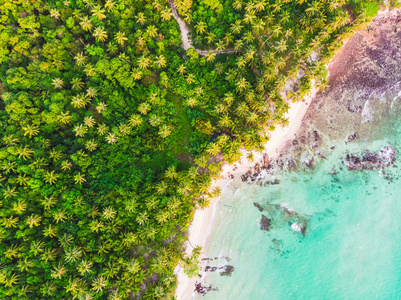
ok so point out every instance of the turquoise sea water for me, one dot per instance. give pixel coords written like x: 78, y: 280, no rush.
x: 352, y: 245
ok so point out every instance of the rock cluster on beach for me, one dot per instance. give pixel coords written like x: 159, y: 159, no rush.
x: 370, y: 160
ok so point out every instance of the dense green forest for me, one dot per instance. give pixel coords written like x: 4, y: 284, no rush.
x: 109, y: 127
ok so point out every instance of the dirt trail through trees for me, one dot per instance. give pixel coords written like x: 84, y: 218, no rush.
x: 185, y: 38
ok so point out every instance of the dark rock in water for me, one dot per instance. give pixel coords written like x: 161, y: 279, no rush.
x: 257, y: 205
x: 226, y: 270
x: 353, y: 137
x: 265, y: 223
x: 371, y: 160
x: 210, y: 269
x: 272, y: 182
x: 332, y: 148
x: 309, y: 163
x: 203, y: 289
x: 316, y: 135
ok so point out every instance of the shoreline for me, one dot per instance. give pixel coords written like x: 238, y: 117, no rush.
x: 200, y: 229
x: 202, y: 224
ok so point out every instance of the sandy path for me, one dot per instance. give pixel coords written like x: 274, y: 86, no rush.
x: 185, y: 34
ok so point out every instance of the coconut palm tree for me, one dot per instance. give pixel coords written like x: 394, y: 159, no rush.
x: 102, y: 129
x: 120, y: 38
x: 51, y: 177
x: 79, y: 178
x: 166, y: 14
x: 66, y: 165
x: 140, y: 18
x: 84, y: 267
x: 99, y: 283
x: 98, y: 12
x: 100, y: 34
x: 109, y: 5
x: 33, y: 220
x: 111, y: 138
x: 151, y: 31
x: 22, y: 179
x: 91, y: 145
x: 30, y: 130
x: 80, y: 130
x: 72, y: 254
x: 24, y: 152
x: 160, y: 61
x: 36, y: 246
x: 86, y: 23
x: 58, y: 271
x: 58, y: 83
x: 200, y: 27
x: 50, y: 231
x: 10, y: 222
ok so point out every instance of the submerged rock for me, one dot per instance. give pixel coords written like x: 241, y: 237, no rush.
x: 226, y: 270
x: 258, y: 206
x: 265, y: 223
x: 309, y: 163
x: 371, y: 160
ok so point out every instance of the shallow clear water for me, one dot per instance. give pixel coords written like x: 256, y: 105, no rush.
x: 352, y: 245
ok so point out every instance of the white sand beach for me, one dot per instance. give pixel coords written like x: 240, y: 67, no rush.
x: 201, y: 227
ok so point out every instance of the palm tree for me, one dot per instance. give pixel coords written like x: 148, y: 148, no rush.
x: 86, y: 23
x: 140, y: 18
x: 109, y: 5
x: 101, y: 107
x: 80, y: 59
x: 10, y: 222
x: 30, y: 130
x: 89, y: 70
x: 59, y: 216
x: 84, y: 267
x: 48, y: 289
x: 136, y: 74
x: 160, y: 61
x: 164, y: 131
x: 142, y: 218
x: 102, y: 129
x: 109, y: 213
x: 100, y: 34
x: 181, y: 69
x: 58, y: 271
x: 11, y: 280
x: 210, y: 37
x: 79, y: 178
x: 210, y: 57
x: 77, y: 84
x: 49, y: 254
x: 89, y: 121
x: 111, y: 138
x: 143, y: 62
x: 166, y: 14
x: 99, y: 283
x: 91, y: 145
x: 55, y: 13
x: 24, y: 152
x: 10, y: 192
x: 66, y: 165
x: 48, y: 201
x: 161, y: 187
x: 225, y: 121
x: 120, y: 38
x: 10, y: 140
x: 237, y: 5
x: 50, y: 231
x: 236, y: 27
x: 24, y: 290
x: 22, y: 179
x: 190, y: 78
x: 151, y: 31
x: 200, y: 27
x: 33, y: 220
x: 98, y: 12
x: 19, y: 207
x: 37, y: 247
x: 80, y: 130
x: 72, y: 254
x: 51, y: 177
x: 66, y: 240
x: 58, y: 83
